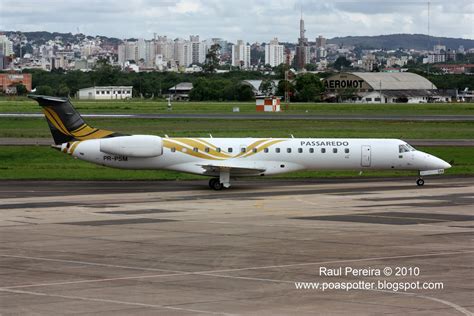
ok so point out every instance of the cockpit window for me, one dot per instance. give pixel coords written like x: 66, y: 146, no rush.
x: 410, y: 147
x: 405, y: 148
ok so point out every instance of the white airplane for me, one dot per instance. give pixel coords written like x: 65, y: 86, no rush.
x: 226, y: 158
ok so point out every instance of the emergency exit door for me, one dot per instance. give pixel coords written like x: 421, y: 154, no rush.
x: 366, y: 156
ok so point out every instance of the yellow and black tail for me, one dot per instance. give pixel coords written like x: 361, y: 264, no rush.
x: 65, y: 123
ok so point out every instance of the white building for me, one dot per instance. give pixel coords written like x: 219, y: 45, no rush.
x: 105, y: 93
x: 6, y: 46
x: 127, y: 51
x: 198, y: 50
x: 165, y: 47
x: 381, y: 87
x: 183, y: 52
x: 241, y: 55
x: 141, y: 49
x: 436, y: 58
x: 274, y: 53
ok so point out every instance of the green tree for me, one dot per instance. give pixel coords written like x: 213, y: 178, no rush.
x: 342, y: 63
x: 285, y: 85
x: 244, y: 93
x: 267, y: 87
x: 21, y: 89
x: 308, y: 87
x: 280, y: 70
x: 105, y: 74
x: 44, y: 90
x: 212, y: 59
x: 311, y: 67
x: 63, y: 90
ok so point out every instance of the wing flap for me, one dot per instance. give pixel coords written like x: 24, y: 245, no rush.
x: 216, y: 169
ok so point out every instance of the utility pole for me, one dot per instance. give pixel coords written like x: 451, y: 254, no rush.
x: 287, y: 92
x: 380, y: 91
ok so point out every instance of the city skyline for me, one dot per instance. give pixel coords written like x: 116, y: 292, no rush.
x: 254, y: 22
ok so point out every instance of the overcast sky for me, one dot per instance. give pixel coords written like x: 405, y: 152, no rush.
x: 250, y: 20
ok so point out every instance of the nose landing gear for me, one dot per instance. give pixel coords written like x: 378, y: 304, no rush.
x: 420, y: 182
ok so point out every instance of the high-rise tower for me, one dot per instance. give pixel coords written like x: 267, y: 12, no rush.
x: 302, y: 50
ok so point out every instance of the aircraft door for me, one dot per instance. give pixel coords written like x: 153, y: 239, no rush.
x: 366, y: 156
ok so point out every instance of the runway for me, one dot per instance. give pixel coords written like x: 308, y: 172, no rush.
x: 276, y: 116
x: 17, y: 141
x: 177, y: 248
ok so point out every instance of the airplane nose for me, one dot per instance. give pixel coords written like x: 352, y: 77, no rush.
x: 446, y: 165
x: 439, y: 163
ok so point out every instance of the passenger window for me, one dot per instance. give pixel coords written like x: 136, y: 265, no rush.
x: 254, y: 150
x: 229, y: 149
x: 323, y: 150
x: 173, y: 149
x: 288, y: 150
x: 265, y: 150
x: 243, y: 150
x: 206, y: 149
x: 195, y: 149
x: 346, y: 150
x: 218, y: 149
x: 300, y: 150
x: 277, y: 150
x: 311, y: 150
x: 334, y: 150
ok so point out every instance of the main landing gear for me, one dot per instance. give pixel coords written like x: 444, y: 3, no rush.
x: 420, y: 182
x: 223, y: 182
x: 215, y: 184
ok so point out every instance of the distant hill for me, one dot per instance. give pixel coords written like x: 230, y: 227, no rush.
x: 395, y: 41
x: 42, y: 37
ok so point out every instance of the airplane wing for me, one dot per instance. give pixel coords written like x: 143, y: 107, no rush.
x: 212, y: 169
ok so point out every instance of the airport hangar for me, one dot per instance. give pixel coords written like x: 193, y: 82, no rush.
x: 381, y: 87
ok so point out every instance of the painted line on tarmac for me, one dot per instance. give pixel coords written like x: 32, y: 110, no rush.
x: 209, y: 272
x: 101, y: 300
x: 212, y: 273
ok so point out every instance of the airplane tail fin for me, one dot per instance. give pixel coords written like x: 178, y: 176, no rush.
x: 65, y: 123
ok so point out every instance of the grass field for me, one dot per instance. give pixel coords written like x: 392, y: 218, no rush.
x: 139, y: 106
x: 37, y: 127
x: 30, y: 162
x: 36, y: 162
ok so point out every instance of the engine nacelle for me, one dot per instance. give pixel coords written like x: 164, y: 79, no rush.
x: 140, y: 146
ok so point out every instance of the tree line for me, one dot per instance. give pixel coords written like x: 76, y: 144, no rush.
x: 207, y: 86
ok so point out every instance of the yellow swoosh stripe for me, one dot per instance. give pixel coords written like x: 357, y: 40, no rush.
x: 81, y: 133
x: 173, y: 143
x: 80, y: 128
x: 169, y: 144
x: 73, y: 147
x: 262, y: 147
x: 249, y: 148
x: 55, y: 121
x: 194, y: 143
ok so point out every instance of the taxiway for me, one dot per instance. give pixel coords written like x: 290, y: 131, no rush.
x: 177, y: 248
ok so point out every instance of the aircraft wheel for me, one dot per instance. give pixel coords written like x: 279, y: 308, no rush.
x: 218, y: 186
x: 215, y: 184
x: 420, y: 182
x: 211, y: 182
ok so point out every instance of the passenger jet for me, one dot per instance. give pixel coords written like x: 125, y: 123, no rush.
x: 223, y: 159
